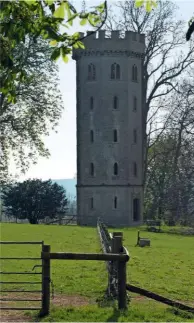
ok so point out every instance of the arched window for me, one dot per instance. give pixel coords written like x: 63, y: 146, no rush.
x: 115, y: 102
x: 115, y: 137
x: 135, y: 169
x: 115, y: 169
x: 134, y: 103
x: 115, y: 202
x: 91, y: 135
x: 91, y: 72
x: 134, y: 73
x: 91, y: 103
x: 134, y: 136
x: 92, y: 169
x: 91, y: 203
x: 136, y: 210
x: 115, y: 71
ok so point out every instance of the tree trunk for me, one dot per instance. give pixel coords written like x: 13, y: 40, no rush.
x: 33, y: 221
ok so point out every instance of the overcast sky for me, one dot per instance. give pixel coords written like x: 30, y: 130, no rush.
x: 62, y: 146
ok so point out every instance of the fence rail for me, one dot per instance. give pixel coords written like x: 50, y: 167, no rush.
x: 113, y: 243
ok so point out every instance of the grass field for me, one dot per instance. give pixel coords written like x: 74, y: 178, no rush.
x: 167, y: 268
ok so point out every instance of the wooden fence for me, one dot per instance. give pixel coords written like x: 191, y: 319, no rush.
x: 111, y: 242
x: 121, y: 259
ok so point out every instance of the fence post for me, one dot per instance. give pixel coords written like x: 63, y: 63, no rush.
x: 121, y: 269
x: 45, y: 282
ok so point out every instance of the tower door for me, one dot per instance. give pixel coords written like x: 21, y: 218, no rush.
x: 136, y: 209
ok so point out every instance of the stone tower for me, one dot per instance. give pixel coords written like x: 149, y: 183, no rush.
x: 110, y: 105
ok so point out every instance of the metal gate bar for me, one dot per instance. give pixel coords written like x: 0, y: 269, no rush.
x: 31, y: 283
x: 19, y: 300
x: 22, y: 242
x: 21, y: 291
x: 19, y: 273
x: 21, y: 308
x: 5, y: 293
x: 25, y: 258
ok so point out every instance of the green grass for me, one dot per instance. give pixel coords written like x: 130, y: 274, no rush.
x: 166, y: 268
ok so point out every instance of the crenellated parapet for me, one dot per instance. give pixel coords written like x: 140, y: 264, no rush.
x: 97, y: 44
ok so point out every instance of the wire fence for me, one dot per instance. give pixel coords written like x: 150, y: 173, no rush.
x: 106, y: 240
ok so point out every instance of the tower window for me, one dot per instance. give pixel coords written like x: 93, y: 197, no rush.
x: 115, y: 137
x: 115, y: 169
x: 92, y: 169
x: 92, y: 203
x: 115, y: 103
x: 134, y: 136
x: 91, y: 135
x: 134, y: 103
x: 115, y: 71
x: 135, y: 169
x: 91, y: 72
x: 136, y: 209
x: 134, y: 73
x: 115, y: 202
x: 91, y: 103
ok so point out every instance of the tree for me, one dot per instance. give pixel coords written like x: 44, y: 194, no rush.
x: 170, y: 175
x: 164, y: 37
x: 34, y: 200
x: 45, y: 18
x: 37, y: 110
x: 150, y: 4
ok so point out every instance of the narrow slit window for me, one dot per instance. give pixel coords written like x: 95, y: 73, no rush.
x: 92, y: 203
x: 115, y: 103
x: 134, y: 103
x: 118, y: 72
x: 91, y: 103
x: 92, y: 169
x: 115, y: 202
x: 115, y: 71
x: 136, y: 210
x: 91, y: 135
x: 135, y: 169
x: 91, y: 72
x: 115, y: 135
x: 134, y: 73
x: 115, y: 169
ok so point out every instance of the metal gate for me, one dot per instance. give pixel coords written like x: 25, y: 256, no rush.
x: 11, y: 284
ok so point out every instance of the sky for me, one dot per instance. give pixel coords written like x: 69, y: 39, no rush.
x: 62, y: 146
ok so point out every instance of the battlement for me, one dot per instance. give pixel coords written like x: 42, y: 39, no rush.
x: 113, y: 41
x: 115, y: 35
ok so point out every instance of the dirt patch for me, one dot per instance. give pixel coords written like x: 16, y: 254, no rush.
x: 19, y: 316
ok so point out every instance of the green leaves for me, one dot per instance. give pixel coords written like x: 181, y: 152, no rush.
x: 150, y: 4
x: 45, y: 18
x: 30, y: 2
x: 55, y: 54
x: 64, y: 11
x: 101, y: 8
x: 49, y: 2
x: 60, y: 11
x: 64, y: 55
x: 83, y: 22
x: 53, y: 43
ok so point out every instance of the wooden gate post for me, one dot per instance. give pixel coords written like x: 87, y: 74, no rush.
x: 45, y: 282
x: 122, y: 292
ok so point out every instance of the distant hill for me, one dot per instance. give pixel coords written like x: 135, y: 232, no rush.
x: 69, y: 184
